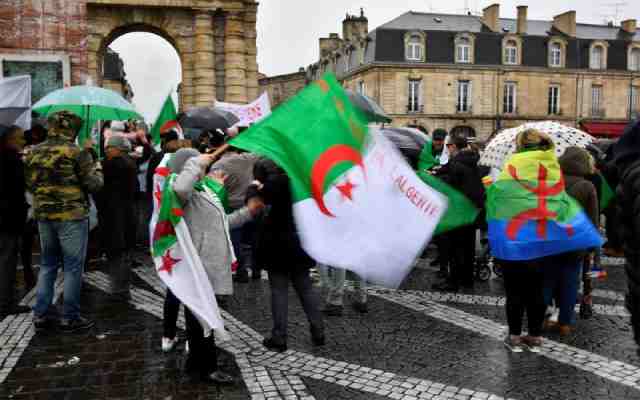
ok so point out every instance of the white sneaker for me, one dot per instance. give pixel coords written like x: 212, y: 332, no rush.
x: 186, y: 347
x: 168, y: 344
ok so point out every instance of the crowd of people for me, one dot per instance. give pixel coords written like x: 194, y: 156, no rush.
x: 50, y: 186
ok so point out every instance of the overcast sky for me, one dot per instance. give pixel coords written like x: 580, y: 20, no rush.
x: 288, y: 32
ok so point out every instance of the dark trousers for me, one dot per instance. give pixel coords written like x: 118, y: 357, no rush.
x: 26, y: 253
x: 523, y: 284
x: 202, y: 357
x: 236, y: 242
x: 170, y: 317
x: 613, y: 223
x: 9, y: 247
x: 279, y: 282
x: 119, y: 271
x: 461, y: 253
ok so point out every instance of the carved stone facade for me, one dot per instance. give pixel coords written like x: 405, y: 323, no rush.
x: 282, y: 87
x: 215, y: 39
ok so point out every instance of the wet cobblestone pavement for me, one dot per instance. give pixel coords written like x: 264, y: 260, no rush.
x: 413, y: 344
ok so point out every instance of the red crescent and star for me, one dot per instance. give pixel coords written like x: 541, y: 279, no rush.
x: 325, y: 163
x: 168, y: 263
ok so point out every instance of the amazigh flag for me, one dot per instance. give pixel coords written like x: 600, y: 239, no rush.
x: 165, y: 121
x: 175, y: 257
x: 529, y: 213
x: 461, y: 210
x: 357, y: 204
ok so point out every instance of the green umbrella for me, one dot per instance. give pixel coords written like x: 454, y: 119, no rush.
x: 90, y: 103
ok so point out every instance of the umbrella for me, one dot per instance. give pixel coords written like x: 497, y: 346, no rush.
x: 9, y: 115
x: 503, y: 145
x: 409, y: 141
x: 208, y: 119
x: 367, y: 105
x: 89, y: 103
x: 3, y: 130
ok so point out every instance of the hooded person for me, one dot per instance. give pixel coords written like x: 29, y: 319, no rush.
x: 627, y: 159
x: 562, y: 272
x: 61, y: 176
x: 208, y: 224
x: 116, y: 212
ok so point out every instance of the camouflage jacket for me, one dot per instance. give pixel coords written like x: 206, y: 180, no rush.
x: 60, y: 175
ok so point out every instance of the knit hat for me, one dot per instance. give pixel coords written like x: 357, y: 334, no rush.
x: 532, y: 139
x: 180, y: 158
x: 119, y: 142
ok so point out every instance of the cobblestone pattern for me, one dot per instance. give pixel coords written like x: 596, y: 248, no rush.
x: 16, y: 332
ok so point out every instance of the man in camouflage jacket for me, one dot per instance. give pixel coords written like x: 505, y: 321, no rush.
x: 61, y: 176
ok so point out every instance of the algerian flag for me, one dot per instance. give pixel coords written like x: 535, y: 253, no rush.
x: 357, y: 204
x: 166, y: 119
x: 176, y: 259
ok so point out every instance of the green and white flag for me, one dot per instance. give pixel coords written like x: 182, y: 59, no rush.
x: 357, y: 204
x: 176, y: 259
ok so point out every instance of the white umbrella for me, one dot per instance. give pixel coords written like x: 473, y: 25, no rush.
x: 501, y: 147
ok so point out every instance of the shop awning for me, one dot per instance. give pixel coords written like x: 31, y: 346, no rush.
x: 604, y: 129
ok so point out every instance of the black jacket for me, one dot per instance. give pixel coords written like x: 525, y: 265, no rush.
x: 463, y: 173
x: 628, y: 195
x: 116, y: 205
x: 278, y: 244
x: 13, y: 205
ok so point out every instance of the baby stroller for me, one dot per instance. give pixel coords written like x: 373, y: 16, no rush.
x: 484, y: 262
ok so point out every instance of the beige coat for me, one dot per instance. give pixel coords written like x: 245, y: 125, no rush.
x: 209, y: 226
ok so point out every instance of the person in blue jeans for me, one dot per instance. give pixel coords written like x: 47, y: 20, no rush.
x: 562, y: 272
x: 61, y: 176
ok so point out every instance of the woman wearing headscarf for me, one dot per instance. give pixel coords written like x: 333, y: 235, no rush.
x: 208, y: 223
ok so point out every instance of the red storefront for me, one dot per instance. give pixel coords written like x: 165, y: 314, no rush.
x: 605, y: 130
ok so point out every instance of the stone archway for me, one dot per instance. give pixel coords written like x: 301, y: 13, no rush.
x: 215, y: 40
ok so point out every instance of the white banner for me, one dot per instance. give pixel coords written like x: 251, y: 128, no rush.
x: 16, y: 92
x: 249, y: 113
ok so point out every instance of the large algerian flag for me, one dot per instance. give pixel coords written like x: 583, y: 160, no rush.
x: 529, y: 213
x: 166, y: 119
x: 176, y: 259
x: 461, y: 210
x: 357, y: 204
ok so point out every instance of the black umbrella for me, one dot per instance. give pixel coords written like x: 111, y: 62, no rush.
x: 409, y: 141
x: 9, y: 115
x: 208, y: 119
x: 367, y: 105
x: 3, y: 130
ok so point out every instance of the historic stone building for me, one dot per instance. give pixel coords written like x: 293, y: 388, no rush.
x: 64, y: 42
x: 476, y: 75
x: 281, y: 87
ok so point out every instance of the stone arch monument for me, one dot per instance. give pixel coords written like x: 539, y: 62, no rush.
x: 215, y: 39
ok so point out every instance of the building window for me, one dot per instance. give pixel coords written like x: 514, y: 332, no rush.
x: 463, y: 50
x: 634, y: 59
x: 555, y: 55
x: 464, y: 97
x: 634, y: 101
x: 414, y: 48
x: 597, y: 57
x: 511, y: 52
x: 362, y: 89
x: 414, y: 96
x: 596, y: 102
x: 554, y: 100
x: 510, y: 94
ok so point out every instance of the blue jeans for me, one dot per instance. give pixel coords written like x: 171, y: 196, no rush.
x: 63, y: 243
x: 562, y: 280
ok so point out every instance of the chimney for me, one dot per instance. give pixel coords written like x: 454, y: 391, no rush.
x: 522, y: 20
x: 491, y: 17
x: 355, y: 27
x: 327, y: 45
x: 566, y: 23
x: 629, y: 26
